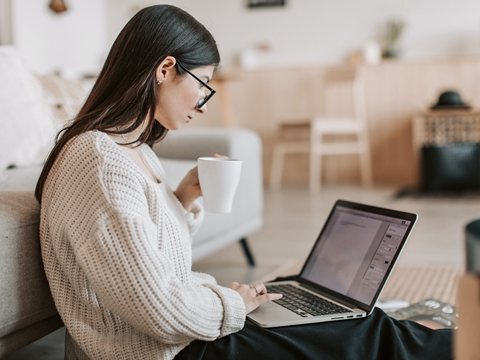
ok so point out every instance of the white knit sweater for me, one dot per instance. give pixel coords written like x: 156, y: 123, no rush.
x: 116, y: 247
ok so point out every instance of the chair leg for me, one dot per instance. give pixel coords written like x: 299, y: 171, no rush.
x: 276, y: 170
x: 246, y: 250
x: 366, y: 166
x: 315, y: 172
x: 366, y: 169
x: 331, y: 169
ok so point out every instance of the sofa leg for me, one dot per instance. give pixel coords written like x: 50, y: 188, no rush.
x: 247, y: 252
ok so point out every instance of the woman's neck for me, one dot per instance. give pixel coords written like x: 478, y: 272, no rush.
x: 129, y: 139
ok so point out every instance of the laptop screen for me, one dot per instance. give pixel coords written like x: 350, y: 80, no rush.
x: 356, y: 249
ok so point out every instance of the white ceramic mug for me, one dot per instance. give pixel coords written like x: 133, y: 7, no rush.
x: 219, y: 179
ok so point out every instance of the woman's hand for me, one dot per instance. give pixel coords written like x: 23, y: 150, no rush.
x: 253, y: 295
x: 189, y: 188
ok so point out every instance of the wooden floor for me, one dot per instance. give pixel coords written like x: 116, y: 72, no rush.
x: 293, y: 220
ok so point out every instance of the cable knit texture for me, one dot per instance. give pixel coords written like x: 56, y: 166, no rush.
x: 116, y: 247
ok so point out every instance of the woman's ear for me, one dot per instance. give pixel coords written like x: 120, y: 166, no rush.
x: 166, y: 69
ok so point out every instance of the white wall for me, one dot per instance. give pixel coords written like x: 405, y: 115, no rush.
x: 74, y: 41
x: 302, y: 33
x: 327, y: 31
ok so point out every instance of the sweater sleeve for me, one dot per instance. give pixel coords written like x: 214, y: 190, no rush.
x: 194, y: 218
x: 203, y: 279
x: 137, y: 282
x: 114, y: 241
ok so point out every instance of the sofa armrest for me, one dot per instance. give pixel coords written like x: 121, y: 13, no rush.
x: 27, y: 310
x: 190, y: 144
x: 243, y: 144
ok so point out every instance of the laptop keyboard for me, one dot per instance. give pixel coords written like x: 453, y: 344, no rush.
x: 304, y: 303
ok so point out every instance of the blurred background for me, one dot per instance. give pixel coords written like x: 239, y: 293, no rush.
x: 275, y: 57
x: 274, y: 53
x: 307, y: 32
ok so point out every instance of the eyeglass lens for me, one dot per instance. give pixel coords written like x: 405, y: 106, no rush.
x: 207, y: 88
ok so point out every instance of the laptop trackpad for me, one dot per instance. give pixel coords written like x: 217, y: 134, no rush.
x: 268, y: 313
x: 268, y: 305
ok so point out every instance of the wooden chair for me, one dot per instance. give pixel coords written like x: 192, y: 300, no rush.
x: 333, y: 133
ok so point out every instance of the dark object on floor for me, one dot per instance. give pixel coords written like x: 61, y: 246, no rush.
x: 472, y: 235
x: 415, y: 192
x: 449, y: 167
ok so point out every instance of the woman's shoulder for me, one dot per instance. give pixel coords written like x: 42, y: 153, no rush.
x: 91, y: 143
x: 91, y: 148
x: 93, y: 157
x: 89, y: 140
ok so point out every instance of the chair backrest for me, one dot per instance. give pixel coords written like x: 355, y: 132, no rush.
x: 344, y: 92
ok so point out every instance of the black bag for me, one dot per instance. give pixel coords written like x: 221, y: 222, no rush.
x: 453, y: 166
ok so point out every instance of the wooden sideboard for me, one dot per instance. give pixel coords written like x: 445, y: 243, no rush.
x: 396, y: 91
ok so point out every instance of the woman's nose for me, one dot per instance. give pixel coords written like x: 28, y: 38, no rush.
x: 203, y: 109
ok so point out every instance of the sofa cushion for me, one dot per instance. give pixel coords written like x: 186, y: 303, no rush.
x: 25, y: 297
x: 24, y: 178
x: 26, y: 120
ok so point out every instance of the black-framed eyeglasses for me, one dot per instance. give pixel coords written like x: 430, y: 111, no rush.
x: 207, y: 97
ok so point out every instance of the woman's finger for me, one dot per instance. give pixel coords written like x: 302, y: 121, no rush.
x: 268, y: 297
x: 220, y: 156
x: 260, y: 288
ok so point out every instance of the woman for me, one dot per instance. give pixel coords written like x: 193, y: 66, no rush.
x: 116, y: 239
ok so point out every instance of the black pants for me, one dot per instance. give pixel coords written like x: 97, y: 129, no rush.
x: 375, y: 337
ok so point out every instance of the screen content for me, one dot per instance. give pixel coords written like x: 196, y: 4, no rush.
x: 354, y: 252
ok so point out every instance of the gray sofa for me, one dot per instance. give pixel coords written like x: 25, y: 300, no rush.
x: 27, y: 311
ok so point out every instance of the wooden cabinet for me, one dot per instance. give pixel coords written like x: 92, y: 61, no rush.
x: 396, y: 91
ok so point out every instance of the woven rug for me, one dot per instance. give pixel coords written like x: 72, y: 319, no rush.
x: 410, y: 283
x: 415, y: 283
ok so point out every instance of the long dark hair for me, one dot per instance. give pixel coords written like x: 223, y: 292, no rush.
x: 126, y: 88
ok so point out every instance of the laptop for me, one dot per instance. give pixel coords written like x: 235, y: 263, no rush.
x: 345, y: 271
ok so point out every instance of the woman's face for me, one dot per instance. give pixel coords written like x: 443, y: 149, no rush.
x: 178, y: 96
